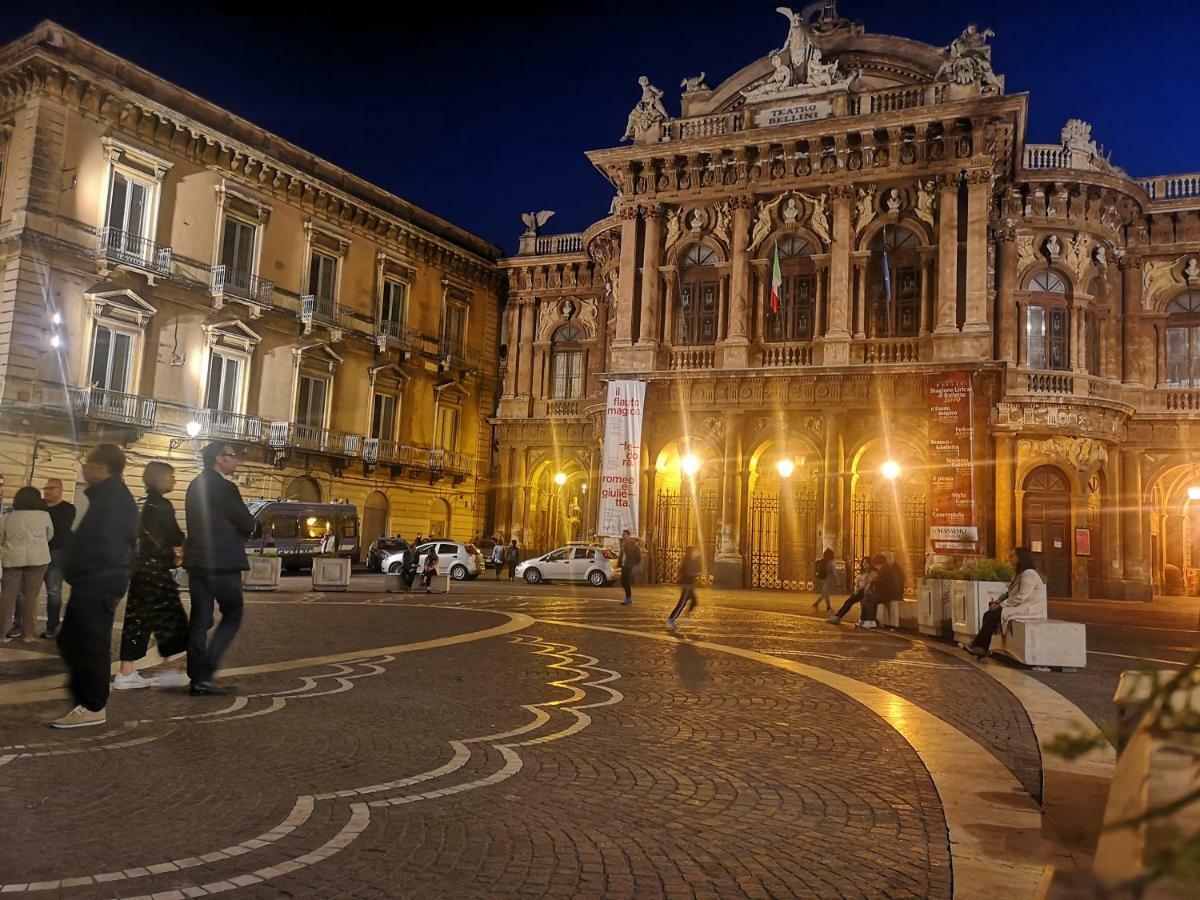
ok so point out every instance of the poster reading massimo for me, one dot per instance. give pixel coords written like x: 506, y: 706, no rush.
x: 619, y: 476
x: 952, y: 527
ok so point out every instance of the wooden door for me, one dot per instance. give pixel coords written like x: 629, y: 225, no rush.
x: 1047, y: 527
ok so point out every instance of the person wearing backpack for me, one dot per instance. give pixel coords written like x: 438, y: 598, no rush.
x: 512, y: 556
x: 823, y: 579
x: 628, y: 559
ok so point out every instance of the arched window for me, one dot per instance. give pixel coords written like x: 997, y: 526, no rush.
x: 791, y: 319
x: 1183, y: 340
x: 894, y: 283
x: 1046, y: 322
x: 566, y: 362
x: 696, y: 314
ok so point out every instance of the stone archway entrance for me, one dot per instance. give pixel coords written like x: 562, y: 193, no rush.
x: 303, y: 488
x: 1046, y: 526
x: 439, y: 518
x: 375, y: 518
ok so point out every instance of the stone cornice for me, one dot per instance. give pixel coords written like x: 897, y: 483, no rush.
x: 57, y: 63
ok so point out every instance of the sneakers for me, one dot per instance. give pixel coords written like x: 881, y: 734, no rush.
x: 201, y: 688
x: 977, y: 651
x: 833, y: 620
x: 628, y: 601
x: 171, y: 679
x: 867, y: 624
x: 47, y: 635
x: 80, y: 717
x: 129, y: 682
x: 671, y: 624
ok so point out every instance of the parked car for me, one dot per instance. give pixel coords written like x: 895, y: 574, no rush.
x: 380, y: 549
x: 460, y: 561
x: 575, y: 562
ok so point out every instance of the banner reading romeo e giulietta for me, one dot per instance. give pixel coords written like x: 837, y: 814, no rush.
x: 619, y: 476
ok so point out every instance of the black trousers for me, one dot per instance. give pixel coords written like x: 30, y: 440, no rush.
x: 153, y: 608
x: 849, y: 604
x: 85, y: 639
x: 687, y: 598
x: 224, y: 589
x: 512, y: 571
x: 627, y: 580
x: 987, y: 629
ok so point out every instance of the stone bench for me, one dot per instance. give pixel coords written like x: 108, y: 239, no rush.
x: 1044, y: 643
x: 901, y: 614
x: 393, y: 583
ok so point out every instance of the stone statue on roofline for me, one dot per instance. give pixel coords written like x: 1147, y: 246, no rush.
x: 798, y: 41
x: 969, y: 60
x: 648, y: 112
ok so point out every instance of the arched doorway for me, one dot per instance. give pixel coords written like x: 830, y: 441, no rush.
x: 1046, y: 526
x: 888, y: 510
x: 782, y: 540
x: 687, y: 499
x: 303, y: 488
x: 375, y: 518
x: 439, y: 518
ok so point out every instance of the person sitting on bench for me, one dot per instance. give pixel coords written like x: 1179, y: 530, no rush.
x: 1025, y: 600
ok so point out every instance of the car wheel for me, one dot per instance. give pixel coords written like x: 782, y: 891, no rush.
x: 596, y: 577
x: 396, y: 568
x: 458, y: 572
x: 533, y: 576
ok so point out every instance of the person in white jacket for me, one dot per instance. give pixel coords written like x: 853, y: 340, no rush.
x: 1025, y: 601
x: 25, y: 535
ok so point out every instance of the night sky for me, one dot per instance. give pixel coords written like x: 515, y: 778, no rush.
x: 479, y: 116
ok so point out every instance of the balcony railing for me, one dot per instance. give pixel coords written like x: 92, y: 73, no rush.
x: 314, y: 439
x: 1050, y: 383
x: 450, y: 461
x: 396, y: 334
x: 562, y: 408
x: 325, y: 312
x: 558, y: 243
x: 693, y: 358
x: 889, y: 350
x: 239, y: 284
x: 1173, y: 187
x: 773, y: 355
x: 221, y: 425
x: 130, y: 249
x: 98, y: 405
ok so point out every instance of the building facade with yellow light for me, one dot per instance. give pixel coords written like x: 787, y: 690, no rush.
x: 173, y: 274
x: 869, y: 315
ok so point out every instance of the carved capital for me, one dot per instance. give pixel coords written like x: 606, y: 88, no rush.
x: 742, y: 201
x: 948, y: 181
x: 651, y: 210
x: 841, y: 192
x: 980, y: 176
x: 631, y: 211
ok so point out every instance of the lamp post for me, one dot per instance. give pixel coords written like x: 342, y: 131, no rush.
x: 193, y: 429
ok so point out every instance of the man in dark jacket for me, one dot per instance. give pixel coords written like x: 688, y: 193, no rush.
x: 214, y: 554
x: 889, y: 588
x: 98, y: 558
x: 628, y: 560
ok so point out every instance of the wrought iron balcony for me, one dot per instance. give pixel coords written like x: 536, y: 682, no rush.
x: 313, y: 439
x: 450, y: 462
x: 113, y: 407
x: 218, y: 424
x: 128, y: 249
x: 228, y: 283
x: 397, y: 335
x: 338, y: 319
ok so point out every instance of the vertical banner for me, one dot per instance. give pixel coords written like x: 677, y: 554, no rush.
x: 952, y: 527
x: 620, y: 475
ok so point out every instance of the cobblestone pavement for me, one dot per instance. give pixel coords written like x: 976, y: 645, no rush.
x: 548, y: 761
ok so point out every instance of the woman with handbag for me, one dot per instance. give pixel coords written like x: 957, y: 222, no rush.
x: 153, y: 606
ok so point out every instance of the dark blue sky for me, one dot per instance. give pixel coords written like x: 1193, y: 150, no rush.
x: 479, y: 116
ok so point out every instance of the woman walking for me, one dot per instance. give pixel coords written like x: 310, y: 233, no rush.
x: 25, y: 535
x: 153, y: 606
x: 689, y: 571
x: 1025, y: 601
x: 429, y: 569
x: 823, y: 580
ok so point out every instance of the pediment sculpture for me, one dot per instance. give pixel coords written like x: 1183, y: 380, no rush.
x: 969, y: 60
x: 798, y: 67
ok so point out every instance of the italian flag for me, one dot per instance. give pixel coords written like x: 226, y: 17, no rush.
x: 776, y: 282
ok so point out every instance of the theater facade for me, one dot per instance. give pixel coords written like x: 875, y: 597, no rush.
x: 864, y: 308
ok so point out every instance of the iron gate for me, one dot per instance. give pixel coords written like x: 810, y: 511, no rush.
x: 783, y: 539
x: 883, y: 524
x: 680, y: 520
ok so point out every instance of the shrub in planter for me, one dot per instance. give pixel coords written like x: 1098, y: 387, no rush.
x: 979, y: 570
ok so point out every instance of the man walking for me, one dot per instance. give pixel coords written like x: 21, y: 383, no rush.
x: 62, y: 516
x: 98, y: 557
x: 214, y: 554
x: 629, y: 558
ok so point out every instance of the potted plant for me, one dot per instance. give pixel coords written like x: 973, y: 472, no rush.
x: 968, y: 590
x: 330, y: 572
x: 265, y: 564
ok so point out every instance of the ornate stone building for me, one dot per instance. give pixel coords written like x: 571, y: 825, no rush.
x: 166, y: 264
x: 917, y: 235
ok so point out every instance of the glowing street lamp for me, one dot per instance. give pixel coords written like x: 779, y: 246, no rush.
x: 785, y: 467
x: 890, y: 470
x: 193, y: 429
x: 560, y: 478
x: 690, y: 465
x: 1194, y: 492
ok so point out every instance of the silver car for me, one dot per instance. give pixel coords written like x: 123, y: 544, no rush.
x: 576, y: 562
x: 460, y: 561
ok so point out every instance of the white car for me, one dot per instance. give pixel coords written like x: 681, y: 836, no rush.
x: 459, y: 561
x: 575, y: 562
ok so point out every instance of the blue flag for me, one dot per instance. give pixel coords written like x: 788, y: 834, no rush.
x: 887, y: 271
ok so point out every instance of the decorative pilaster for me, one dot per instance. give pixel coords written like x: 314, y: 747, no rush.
x: 736, y: 354
x: 837, y: 334
x: 627, y: 280
x: 1005, y: 445
x: 1006, y: 284
x: 946, y: 319
x: 729, y: 569
x: 979, y: 193
x: 648, y: 335
x: 1133, y: 527
x: 1137, y: 362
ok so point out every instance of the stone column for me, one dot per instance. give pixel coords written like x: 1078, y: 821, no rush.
x: 729, y: 565
x: 525, y: 375
x: 979, y: 192
x: 837, y: 332
x: 1005, y: 445
x: 1006, y: 285
x: 1137, y: 362
x: 737, y: 339
x: 946, y: 321
x: 671, y: 277
x: 627, y: 280
x: 1133, y: 527
x: 1110, y: 516
x: 519, y: 496
x: 831, y: 487
x: 860, y: 300
x: 651, y: 294
x: 926, y: 282
x: 511, y: 317
x: 821, y: 313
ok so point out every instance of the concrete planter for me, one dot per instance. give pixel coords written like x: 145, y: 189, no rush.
x: 330, y: 573
x: 968, y: 602
x: 263, y: 574
x: 933, y: 607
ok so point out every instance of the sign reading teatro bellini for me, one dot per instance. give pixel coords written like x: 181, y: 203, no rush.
x: 793, y: 113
